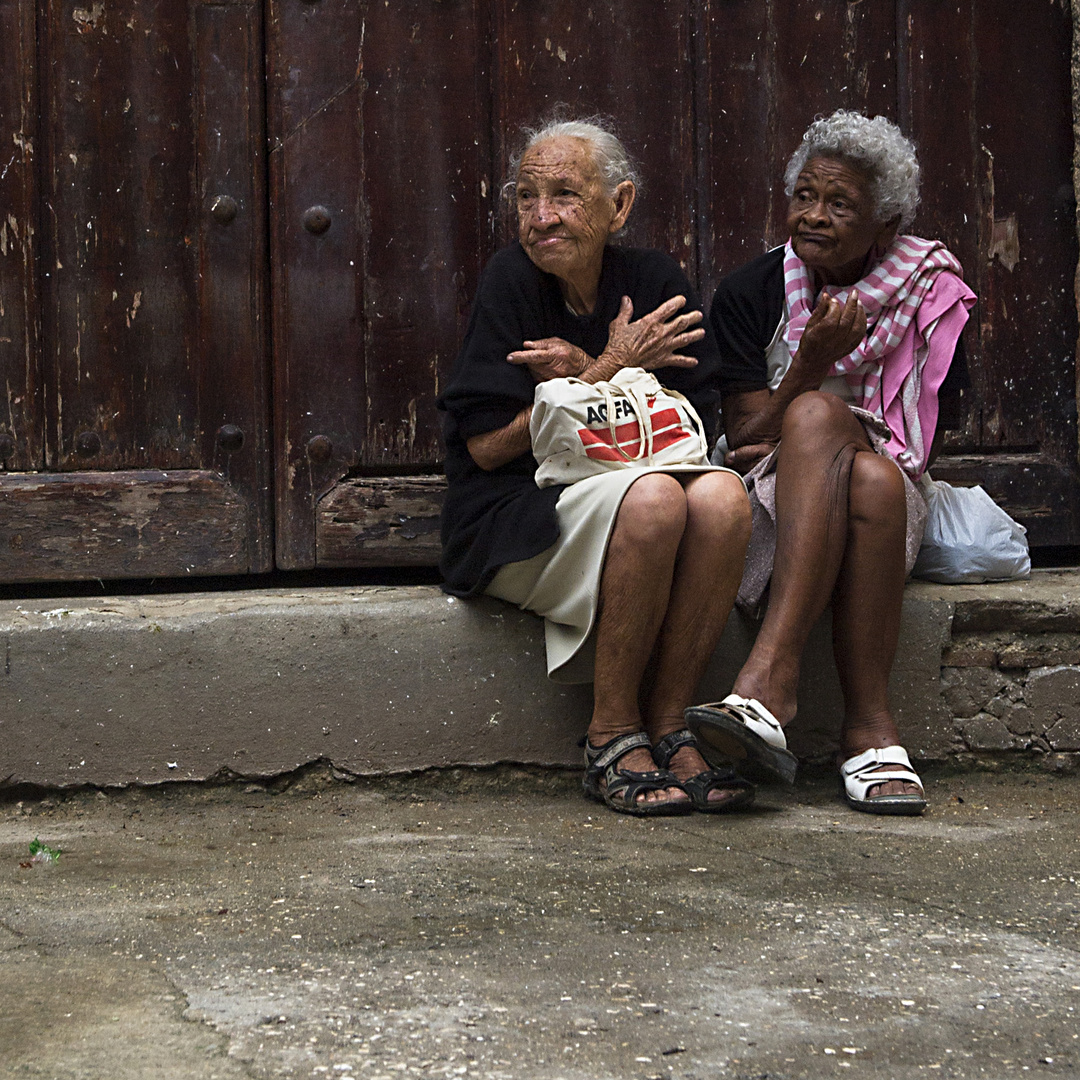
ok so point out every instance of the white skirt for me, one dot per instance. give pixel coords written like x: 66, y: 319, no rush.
x: 563, y: 582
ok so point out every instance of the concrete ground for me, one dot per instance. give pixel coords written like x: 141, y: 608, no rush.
x: 494, y: 924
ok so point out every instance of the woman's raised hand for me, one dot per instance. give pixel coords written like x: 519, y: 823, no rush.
x: 654, y: 340
x: 831, y: 332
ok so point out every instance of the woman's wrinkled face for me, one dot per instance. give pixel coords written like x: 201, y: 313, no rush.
x: 831, y: 220
x: 565, y: 217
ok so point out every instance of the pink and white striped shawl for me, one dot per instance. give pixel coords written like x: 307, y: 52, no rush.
x: 916, y: 305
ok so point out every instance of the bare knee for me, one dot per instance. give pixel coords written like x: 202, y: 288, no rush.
x: 717, y: 502
x: 817, y: 414
x: 876, y: 492
x: 653, y: 511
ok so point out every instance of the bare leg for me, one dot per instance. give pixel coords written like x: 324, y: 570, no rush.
x: 820, y: 439
x: 866, y: 608
x: 634, y: 591
x: 708, y: 569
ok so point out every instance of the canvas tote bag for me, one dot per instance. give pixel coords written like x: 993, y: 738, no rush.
x: 580, y: 429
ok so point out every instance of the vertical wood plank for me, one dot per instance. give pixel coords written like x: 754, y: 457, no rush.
x: 153, y: 323
x: 315, y: 85
x: 736, y: 115
x: 232, y: 281
x: 1024, y: 100
x: 426, y: 202
x: 619, y: 59
x: 22, y: 416
x: 119, y: 267
x: 938, y: 94
x: 379, y: 114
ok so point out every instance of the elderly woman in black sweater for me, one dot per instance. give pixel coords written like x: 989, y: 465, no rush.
x: 635, y: 571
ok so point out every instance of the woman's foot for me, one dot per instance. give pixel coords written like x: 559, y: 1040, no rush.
x: 893, y: 765
x: 739, y: 728
x: 711, y: 790
x: 878, y: 732
x: 620, y: 771
x: 772, y: 680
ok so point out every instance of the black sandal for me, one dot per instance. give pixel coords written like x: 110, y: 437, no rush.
x: 623, y: 786
x: 699, y: 786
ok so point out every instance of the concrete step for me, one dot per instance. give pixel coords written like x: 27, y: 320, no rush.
x: 373, y: 680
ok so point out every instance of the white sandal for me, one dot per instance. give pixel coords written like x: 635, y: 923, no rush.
x: 740, y: 728
x: 858, y: 777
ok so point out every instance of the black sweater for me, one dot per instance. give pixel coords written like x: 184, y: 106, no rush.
x: 498, y: 517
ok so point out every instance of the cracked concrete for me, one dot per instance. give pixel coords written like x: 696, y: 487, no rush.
x: 494, y: 924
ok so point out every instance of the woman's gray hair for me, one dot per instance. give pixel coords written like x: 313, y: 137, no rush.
x: 614, y: 163
x: 876, y: 146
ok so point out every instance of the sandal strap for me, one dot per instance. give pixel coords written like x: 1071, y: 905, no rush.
x: 875, y: 756
x: 598, y: 758
x: 757, y: 718
x: 670, y: 745
x: 699, y: 786
x: 626, y: 785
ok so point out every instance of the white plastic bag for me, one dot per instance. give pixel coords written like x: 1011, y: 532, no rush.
x: 969, y: 538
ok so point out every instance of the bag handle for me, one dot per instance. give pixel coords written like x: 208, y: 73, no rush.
x: 645, y: 434
x: 641, y: 404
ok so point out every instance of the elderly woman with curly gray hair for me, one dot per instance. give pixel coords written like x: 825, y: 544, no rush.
x: 840, y: 362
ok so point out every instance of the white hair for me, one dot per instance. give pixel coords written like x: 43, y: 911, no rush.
x: 875, y: 146
x: 612, y: 160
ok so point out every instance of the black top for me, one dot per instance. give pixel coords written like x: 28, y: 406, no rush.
x: 493, y: 518
x: 745, y: 312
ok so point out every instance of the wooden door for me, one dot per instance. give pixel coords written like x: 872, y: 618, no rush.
x: 133, y: 336
x: 398, y: 120
x: 208, y: 200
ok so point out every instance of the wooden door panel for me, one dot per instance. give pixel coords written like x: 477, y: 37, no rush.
x: 232, y: 363
x: 1028, y: 238
x: 987, y: 84
x: 118, y: 159
x: 736, y: 115
x: 937, y: 101
x: 370, y: 310
x: 426, y: 154
x: 151, y: 293
x: 147, y: 523
x: 622, y: 59
x: 381, y: 521
x: 315, y: 85
x: 22, y: 427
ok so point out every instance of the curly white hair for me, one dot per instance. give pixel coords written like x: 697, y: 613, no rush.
x: 876, y: 146
x: 611, y: 157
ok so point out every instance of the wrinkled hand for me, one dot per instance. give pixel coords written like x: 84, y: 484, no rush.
x: 654, y: 340
x: 833, y: 330
x: 743, y: 458
x: 551, y: 358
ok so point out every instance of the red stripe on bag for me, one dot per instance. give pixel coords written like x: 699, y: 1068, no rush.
x: 667, y: 430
